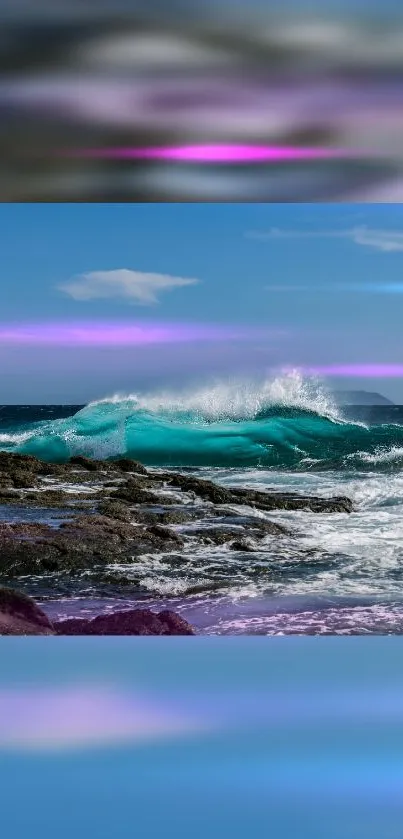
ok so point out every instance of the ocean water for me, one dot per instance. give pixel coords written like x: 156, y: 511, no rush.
x: 334, y: 574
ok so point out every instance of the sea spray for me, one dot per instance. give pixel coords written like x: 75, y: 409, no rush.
x: 283, y: 423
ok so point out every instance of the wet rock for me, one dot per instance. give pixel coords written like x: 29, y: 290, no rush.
x: 87, y: 463
x: 10, y: 462
x: 164, y: 533
x: 24, y: 530
x: 20, y: 615
x: 291, y: 501
x: 125, y: 464
x: 115, y: 510
x: 210, y: 491
x: 133, y: 492
x: 261, y: 527
x: 257, y: 528
x: 243, y: 545
x: 214, y: 535
x: 58, y: 496
x: 23, y: 478
x: 17, y: 473
x: 202, y: 488
x: 130, y: 622
x: 181, y: 516
x: 54, y: 470
x: 84, y: 542
x: 9, y: 495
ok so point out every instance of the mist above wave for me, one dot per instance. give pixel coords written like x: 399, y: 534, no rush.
x: 286, y: 422
x: 232, y: 400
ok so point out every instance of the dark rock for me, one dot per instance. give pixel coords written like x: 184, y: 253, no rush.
x: 9, y: 462
x: 24, y: 530
x: 244, y: 545
x: 169, y: 516
x: 7, y: 495
x: 179, y: 516
x: 133, y: 492
x: 125, y: 464
x: 130, y: 622
x: 210, y: 491
x: 83, y: 542
x: 115, y: 510
x: 214, y: 535
x: 204, y: 489
x: 164, y: 533
x: 54, y: 470
x: 86, y: 463
x: 81, y: 476
x: 262, y: 527
x: 23, y: 478
x: 17, y: 473
x: 20, y: 615
x: 121, y: 464
x: 57, y: 498
x: 291, y: 501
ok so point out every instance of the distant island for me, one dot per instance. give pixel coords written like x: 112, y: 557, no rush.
x: 360, y: 397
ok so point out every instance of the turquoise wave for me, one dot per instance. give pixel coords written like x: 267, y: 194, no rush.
x: 273, y: 436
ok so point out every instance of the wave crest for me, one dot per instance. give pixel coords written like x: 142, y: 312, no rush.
x: 287, y: 422
x: 234, y: 400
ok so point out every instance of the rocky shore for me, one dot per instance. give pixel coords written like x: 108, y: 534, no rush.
x: 20, y: 615
x: 117, y: 511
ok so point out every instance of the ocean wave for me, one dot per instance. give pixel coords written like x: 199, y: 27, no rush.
x: 286, y: 422
x: 14, y: 439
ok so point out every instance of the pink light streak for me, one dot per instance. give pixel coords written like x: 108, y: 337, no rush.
x: 217, y: 153
x: 119, y: 335
x: 58, y: 719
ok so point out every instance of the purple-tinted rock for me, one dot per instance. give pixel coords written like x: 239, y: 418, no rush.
x: 128, y: 622
x: 20, y: 615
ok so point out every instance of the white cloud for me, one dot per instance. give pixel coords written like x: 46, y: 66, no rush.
x: 383, y: 240
x: 387, y: 241
x: 134, y: 286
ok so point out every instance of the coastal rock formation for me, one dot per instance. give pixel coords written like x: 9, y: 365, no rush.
x: 128, y: 622
x: 143, y: 486
x: 82, y: 542
x: 20, y: 615
x: 209, y: 491
x: 123, y: 513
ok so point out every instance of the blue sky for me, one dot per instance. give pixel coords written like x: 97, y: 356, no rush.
x: 328, y: 277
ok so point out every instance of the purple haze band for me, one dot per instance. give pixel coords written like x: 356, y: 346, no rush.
x: 217, y: 153
x: 104, y: 334
x: 373, y: 371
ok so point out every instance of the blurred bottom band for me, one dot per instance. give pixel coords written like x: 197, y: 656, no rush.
x: 287, y: 737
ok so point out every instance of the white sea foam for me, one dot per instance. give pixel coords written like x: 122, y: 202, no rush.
x: 235, y: 399
x: 381, y: 455
x: 16, y: 439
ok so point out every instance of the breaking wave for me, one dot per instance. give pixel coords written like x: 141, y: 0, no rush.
x: 286, y: 423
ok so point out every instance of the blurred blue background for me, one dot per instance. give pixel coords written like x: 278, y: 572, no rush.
x: 202, y: 737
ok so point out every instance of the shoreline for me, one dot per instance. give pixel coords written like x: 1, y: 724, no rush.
x: 87, y: 516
